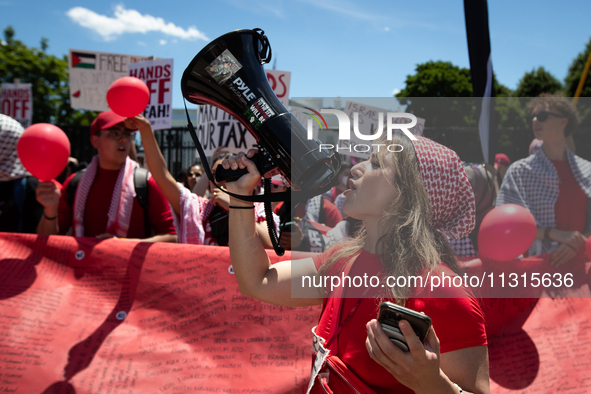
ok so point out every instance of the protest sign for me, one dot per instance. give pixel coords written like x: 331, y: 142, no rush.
x: 279, y: 81
x: 368, y: 124
x: 157, y: 74
x: 91, y: 74
x: 216, y: 128
x: 16, y: 101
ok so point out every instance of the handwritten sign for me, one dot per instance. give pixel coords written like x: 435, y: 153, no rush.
x: 16, y: 101
x: 157, y: 74
x: 91, y: 74
x: 279, y: 81
x: 216, y: 128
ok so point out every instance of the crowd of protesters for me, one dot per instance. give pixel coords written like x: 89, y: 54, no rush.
x: 375, y: 210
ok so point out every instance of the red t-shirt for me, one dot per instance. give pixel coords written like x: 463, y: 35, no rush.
x: 456, y: 315
x: 99, y: 201
x: 570, y: 209
x: 333, y: 215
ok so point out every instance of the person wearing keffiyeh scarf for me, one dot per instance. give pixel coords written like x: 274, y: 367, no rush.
x: 553, y: 183
x: 410, y: 203
x: 105, y: 203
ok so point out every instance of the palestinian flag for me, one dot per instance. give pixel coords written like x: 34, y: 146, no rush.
x: 83, y: 60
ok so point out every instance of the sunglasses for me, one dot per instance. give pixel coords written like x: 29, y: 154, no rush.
x: 543, y: 116
x: 116, y: 134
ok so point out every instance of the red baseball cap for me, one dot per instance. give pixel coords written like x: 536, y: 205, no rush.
x: 105, y: 120
x: 502, y: 158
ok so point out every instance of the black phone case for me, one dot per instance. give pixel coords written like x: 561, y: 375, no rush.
x: 390, y: 314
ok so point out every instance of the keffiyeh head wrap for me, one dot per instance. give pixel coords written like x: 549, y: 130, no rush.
x: 10, y: 165
x: 450, y: 194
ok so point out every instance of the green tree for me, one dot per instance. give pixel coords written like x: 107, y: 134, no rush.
x: 438, y: 79
x: 454, y: 121
x: 425, y: 91
x: 48, y: 76
x: 535, y: 82
x: 435, y: 79
x: 575, y: 71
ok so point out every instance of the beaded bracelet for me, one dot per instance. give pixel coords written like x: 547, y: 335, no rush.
x: 458, y: 387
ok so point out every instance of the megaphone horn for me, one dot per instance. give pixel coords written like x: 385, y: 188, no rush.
x: 228, y: 74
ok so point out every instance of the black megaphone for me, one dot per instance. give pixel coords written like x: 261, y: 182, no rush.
x: 228, y: 74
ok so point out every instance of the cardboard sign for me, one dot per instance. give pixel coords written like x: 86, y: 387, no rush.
x: 16, y: 101
x: 91, y: 74
x: 157, y: 74
x: 216, y: 128
x: 279, y: 81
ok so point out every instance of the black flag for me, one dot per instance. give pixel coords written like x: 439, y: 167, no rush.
x: 476, y: 14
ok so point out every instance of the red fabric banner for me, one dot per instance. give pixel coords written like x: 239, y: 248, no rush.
x: 79, y: 315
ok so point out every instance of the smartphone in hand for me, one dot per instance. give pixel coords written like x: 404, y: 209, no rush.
x: 390, y: 315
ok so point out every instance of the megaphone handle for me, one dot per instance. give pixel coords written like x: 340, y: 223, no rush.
x: 230, y: 175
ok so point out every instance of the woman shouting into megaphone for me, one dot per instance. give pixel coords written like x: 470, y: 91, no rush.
x: 409, y: 202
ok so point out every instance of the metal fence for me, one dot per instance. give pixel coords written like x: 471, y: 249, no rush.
x: 179, y: 151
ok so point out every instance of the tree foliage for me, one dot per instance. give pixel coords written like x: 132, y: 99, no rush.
x: 48, y: 76
x: 442, y: 94
x: 438, y: 79
x: 535, y: 82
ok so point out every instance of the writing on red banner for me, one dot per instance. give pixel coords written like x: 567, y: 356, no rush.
x: 81, y: 315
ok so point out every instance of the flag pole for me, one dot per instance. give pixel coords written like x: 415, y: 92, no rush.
x: 582, y: 80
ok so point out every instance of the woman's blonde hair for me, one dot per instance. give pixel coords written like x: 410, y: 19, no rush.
x: 409, y: 244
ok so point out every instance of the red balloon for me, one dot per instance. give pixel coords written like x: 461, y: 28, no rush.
x: 128, y: 96
x: 506, y: 232
x: 44, y: 150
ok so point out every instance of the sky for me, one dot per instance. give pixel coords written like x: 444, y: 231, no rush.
x: 332, y: 48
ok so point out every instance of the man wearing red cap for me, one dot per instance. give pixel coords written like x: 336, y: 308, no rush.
x: 105, y: 203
